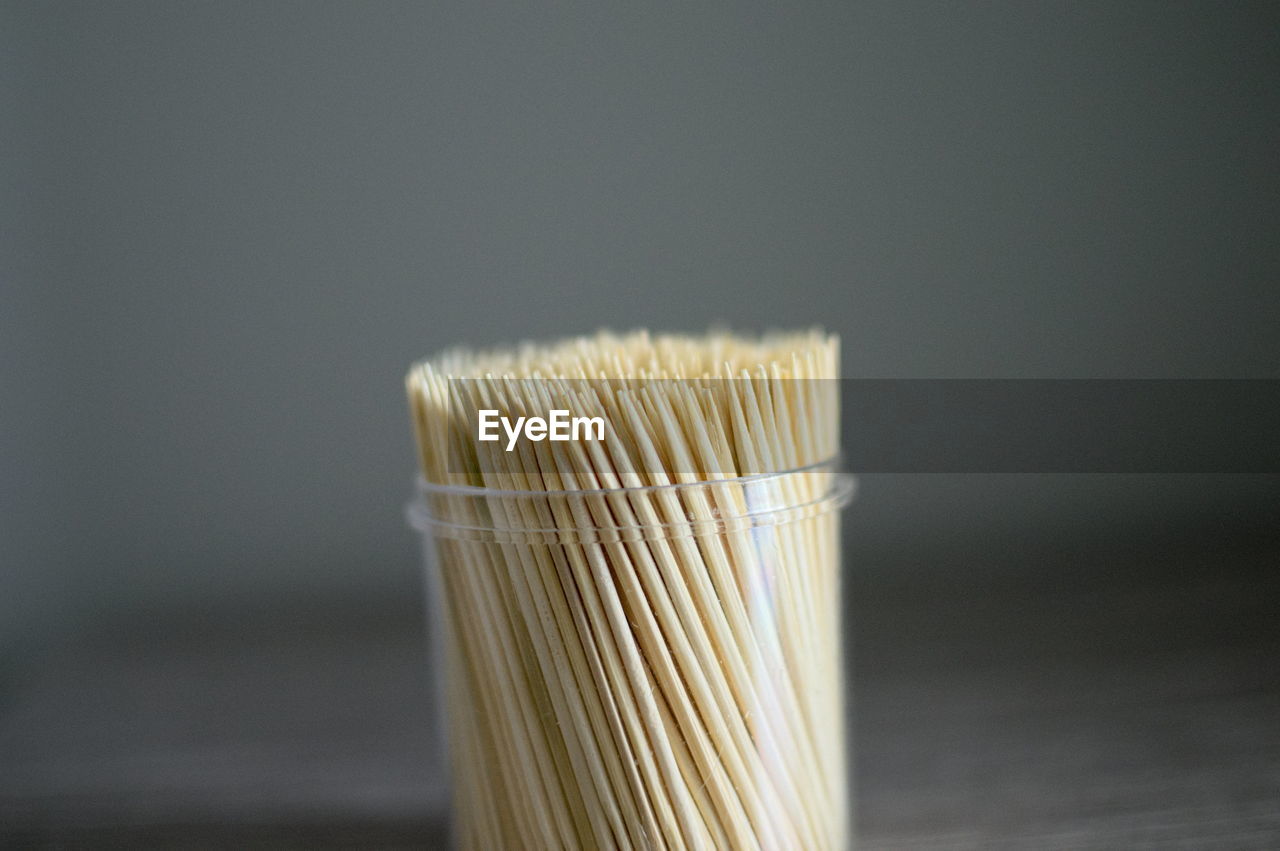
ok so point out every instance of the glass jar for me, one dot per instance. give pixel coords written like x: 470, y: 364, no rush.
x: 644, y: 667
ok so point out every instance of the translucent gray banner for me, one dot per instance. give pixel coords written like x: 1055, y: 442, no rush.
x: 886, y: 425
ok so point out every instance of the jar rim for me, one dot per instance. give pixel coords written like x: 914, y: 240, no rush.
x: 763, y: 507
x: 429, y: 488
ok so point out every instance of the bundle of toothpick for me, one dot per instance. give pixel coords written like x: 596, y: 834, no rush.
x: 628, y: 665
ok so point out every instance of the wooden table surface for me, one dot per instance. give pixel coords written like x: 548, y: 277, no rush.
x: 1121, y: 698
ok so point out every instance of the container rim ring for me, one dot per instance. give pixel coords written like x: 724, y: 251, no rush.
x: 840, y: 492
x: 427, y: 488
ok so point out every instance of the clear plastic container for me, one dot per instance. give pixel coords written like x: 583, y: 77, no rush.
x: 649, y: 667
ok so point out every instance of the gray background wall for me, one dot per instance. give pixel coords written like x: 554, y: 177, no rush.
x: 229, y: 227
